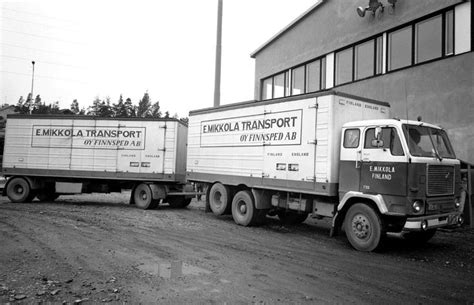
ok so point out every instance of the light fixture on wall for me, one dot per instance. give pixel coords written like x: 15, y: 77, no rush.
x: 374, y: 5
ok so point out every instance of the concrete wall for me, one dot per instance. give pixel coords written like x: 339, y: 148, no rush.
x: 332, y: 25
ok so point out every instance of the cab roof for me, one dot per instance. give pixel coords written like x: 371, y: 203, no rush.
x: 382, y: 122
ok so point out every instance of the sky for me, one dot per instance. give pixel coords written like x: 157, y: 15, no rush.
x: 102, y: 48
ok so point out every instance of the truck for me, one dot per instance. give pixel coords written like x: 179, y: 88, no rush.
x: 327, y: 154
x: 46, y: 156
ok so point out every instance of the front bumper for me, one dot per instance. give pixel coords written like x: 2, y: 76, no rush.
x: 432, y: 221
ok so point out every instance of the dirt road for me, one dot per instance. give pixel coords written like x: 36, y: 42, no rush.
x: 97, y: 248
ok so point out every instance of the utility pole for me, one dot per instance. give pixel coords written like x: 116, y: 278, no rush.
x: 217, y: 84
x: 32, y: 85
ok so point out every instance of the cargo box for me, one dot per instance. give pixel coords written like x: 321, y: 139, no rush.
x: 289, y: 144
x: 92, y: 147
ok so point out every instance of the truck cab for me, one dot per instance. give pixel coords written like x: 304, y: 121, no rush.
x: 396, y: 176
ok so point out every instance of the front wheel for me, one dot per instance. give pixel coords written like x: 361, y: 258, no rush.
x: 243, y: 209
x: 363, y: 227
x: 19, y: 190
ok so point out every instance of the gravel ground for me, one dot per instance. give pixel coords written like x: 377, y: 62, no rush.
x: 98, y: 249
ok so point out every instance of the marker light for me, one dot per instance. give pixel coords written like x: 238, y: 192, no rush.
x: 424, y: 225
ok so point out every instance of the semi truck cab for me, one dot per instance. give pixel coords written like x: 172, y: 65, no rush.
x: 404, y: 171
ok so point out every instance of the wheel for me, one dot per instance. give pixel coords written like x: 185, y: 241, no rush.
x: 143, y: 197
x: 291, y: 218
x: 178, y: 202
x: 243, y: 209
x: 19, y: 190
x: 363, y: 227
x: 45, y: 196
x: 219, y: 199
x: 419, y: 237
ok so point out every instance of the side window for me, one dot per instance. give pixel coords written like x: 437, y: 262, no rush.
x: 390, y: 139
x: 351, y: 138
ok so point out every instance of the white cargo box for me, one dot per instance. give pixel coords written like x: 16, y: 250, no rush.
x: 93, y: 147
x: 290, y: 144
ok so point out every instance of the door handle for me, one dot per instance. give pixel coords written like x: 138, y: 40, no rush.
x: 358, y: 158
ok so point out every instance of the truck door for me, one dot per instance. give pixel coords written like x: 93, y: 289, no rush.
x: 383, y: 167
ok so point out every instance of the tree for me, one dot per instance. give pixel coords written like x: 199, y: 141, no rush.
x: 120, y: 109
x: 130, y: 108
x: 167, y: 115
x: 94, y: 109
x: 21, y: 107
x: 155, y: 110
x: 144, y: 106
x: 105, y: 109
x: 75, y: 107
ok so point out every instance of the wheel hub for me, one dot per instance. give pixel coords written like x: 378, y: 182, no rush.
x: 243, y: 208
x: 360, y: 226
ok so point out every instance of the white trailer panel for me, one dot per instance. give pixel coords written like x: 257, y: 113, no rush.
x: 91, y: 147
x: 290, y: 143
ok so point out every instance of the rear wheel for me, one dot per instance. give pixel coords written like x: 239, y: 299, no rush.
x: 243, y: 209
x: 219, y: 199
x: 363, y: 227
x: 19, y: 190
x: 178, y: 202
x: 291, y: 218
x: 419, y: 237
x: 143, y: 197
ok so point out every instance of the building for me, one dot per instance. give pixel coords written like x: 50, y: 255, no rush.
x: 416, y: 55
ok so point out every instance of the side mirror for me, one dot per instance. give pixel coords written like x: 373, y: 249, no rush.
x: 378, y: 133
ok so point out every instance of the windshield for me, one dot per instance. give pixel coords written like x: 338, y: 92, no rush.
x: 428, y: 142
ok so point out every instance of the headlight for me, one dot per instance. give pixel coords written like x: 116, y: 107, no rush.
x: 417, y: 206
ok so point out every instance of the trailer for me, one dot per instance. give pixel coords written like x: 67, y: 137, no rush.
x: 46, y: 156
x: 328, y: 154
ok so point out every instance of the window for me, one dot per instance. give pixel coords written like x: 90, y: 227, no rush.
x: 344, y: 66
x: 279, y: 85
x: 297, y: 80
x: 390, y: 139
x: 428, y: 39
x: 351, y: 138
x: 378, y: 55
x: 313, y: 76
x: 399, y: 48
x: 449, y: 33
x: 364, y: 59
x: 275, y: 86
x: 267, y: 85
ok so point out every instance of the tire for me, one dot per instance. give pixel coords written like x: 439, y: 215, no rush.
x: 291, y: 218
x: 220, y: 199
x: 243, y: 209
x: 419, y: 237
x: 178, y: 202
x: 19, y: 190
x: 363, y: 227
x: 143, y: 197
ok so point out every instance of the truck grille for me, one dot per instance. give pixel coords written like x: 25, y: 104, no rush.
x: 440, y: 205
x: 440, y: 180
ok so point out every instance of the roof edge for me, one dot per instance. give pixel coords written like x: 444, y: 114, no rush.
x: 289, y: 26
